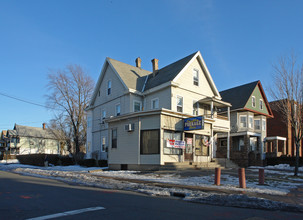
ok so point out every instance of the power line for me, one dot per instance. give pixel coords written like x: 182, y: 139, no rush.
x: 28, y: 102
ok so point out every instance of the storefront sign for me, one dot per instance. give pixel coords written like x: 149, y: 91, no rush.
x: 195, y: 123
x: 175, y: 144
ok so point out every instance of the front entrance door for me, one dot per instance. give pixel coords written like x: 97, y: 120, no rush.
x: 188, y: 154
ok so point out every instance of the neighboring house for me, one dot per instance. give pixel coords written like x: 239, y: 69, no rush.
x: 33, y: 140
x: 136, y: 117
x: 248, y: 115
x: 283, y: 133
x: 2, y: 143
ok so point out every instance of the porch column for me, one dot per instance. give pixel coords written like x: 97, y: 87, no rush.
x: 284, y: 147
x: 228, y: 113
x: 276, y: 147
x: 228, y: 145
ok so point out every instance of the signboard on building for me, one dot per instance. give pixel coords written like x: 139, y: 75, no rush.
x: 175, y: 144
x: 195, y: 123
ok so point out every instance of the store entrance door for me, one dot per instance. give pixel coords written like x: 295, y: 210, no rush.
x: 188, y: 154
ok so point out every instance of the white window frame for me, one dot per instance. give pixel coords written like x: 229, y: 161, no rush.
x: 103, y: 144
x: 261, y: 104
x: 253, y: 101
x: 196, y: 77
x: 89, y: 121
x: 178, y: 97
x: 156, y: 100
x: 103, y: 115
x: 109, y: 87
x: 250, y: 121
x: 195, y: 111
x: 116, y: 112
x: 259, y: 124
x: 263, y: 124
x: 134, y: 102
x: 240, y: 122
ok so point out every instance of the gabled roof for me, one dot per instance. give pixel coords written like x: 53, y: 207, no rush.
x: 132, y: 77
x: 167, y: 73
x: 239, y: 95
x: 142, y: 80
x: 26, y: 131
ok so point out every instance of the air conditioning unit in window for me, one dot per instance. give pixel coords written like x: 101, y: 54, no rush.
x: 129, y: 127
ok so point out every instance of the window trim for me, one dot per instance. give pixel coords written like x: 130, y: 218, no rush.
x: 259, y: 124
x: 151, y: 101
x: 159, y: 142
x: 252, y: 123
x: 261, y: 103
x: 103, y: 117
x: 109, y: 87
x: 103, y: 138
x: 178, y: 96
x: 116, y: 113
x: 194, y: 102
x: 263, y: 124
x: 253, y: 101
x: 240, y: 123
x: 136, y: 101
x: 194, y: 77
x: 112, y: 130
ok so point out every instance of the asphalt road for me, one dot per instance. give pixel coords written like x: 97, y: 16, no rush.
x: 24, y: 197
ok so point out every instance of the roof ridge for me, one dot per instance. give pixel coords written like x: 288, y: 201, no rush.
x: 236, y: 87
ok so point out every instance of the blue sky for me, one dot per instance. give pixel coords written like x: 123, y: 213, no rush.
x: 239, y: 41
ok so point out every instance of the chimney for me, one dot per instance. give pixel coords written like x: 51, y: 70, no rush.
x: 43, y: 126
x: 155, y: 65
x: 138, y: 62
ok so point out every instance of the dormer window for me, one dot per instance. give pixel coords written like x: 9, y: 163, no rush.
x: 253, y: 101
x: 196, y: 77
x: 261, y: 104
x: 109, y: 87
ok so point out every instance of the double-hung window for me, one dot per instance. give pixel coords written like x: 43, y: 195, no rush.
x: 103, y: 143
x: 179, y: 104
x: 243, y: 121
x: 137, y: 106
x: 253, y: 101
x: 261, y: 104
x: 196, y: 77
x: 114, y: 138
x: 195, y: 108
x: 257, y: 124
x: 118, y: 110
x: 155, y: 103
x: 250, y: 122
x: 103, y: 116
x: 109, y: 87
x: 264, y: 124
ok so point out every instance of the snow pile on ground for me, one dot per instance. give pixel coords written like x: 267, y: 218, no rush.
x: 106, y: 179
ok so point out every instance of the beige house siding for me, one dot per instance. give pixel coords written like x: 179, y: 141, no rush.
x: 164, y: 97
x: 186, y: 80
x: 188, y: 99
x: 127, y: 151
x: 117, y: 88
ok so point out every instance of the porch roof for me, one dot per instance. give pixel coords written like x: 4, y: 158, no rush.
x: 216, y: 102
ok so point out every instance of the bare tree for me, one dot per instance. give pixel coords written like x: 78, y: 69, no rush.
x: 71, y: 90
x: 287, y: 88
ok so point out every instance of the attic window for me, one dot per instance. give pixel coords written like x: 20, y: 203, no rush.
x: 253, y: 101
x: 196, y: 77
x: 261, y: 104
x: 109, y: 87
